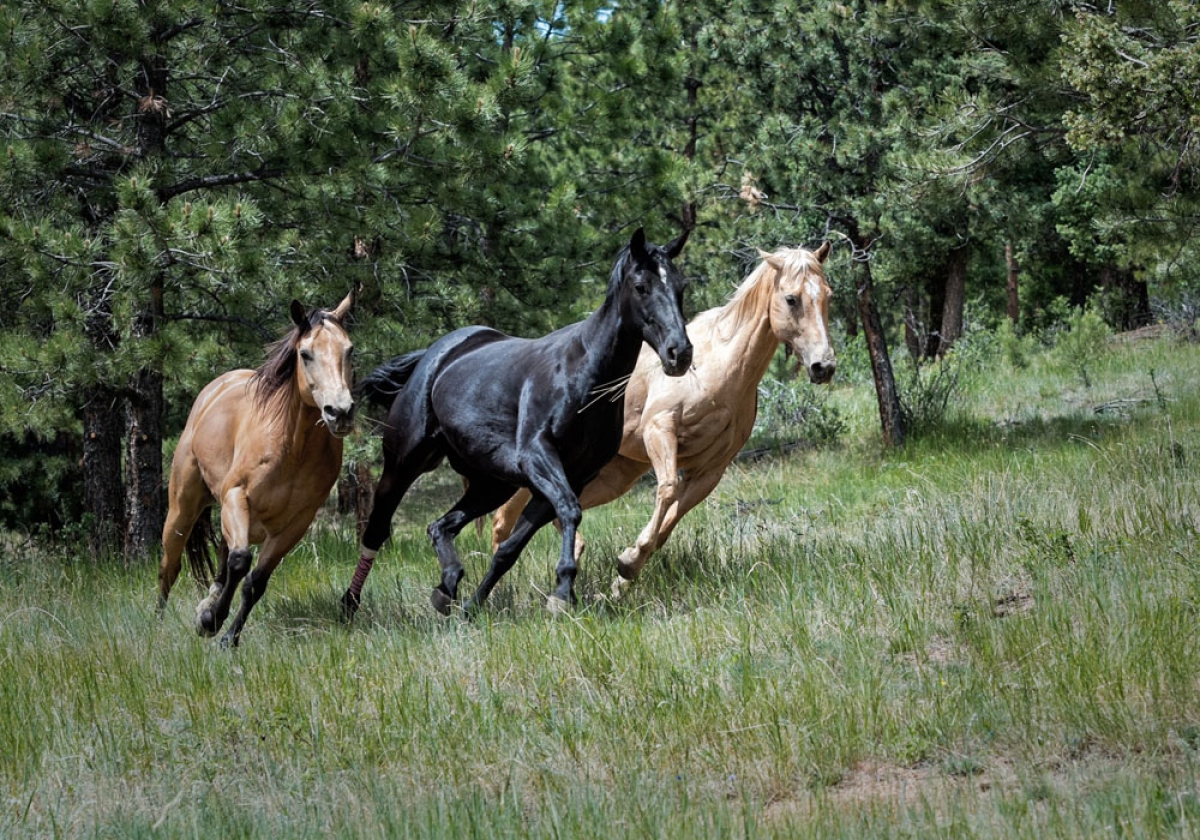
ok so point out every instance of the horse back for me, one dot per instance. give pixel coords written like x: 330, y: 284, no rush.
x: 492, y: 404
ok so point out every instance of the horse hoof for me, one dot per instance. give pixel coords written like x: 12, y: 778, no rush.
x: 206, y: 623
x: 620, y: 586
x: 441, y: 601
x: 557, y: 605
x: 350, y: 605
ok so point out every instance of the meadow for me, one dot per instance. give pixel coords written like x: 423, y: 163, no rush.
x: 990, y: 633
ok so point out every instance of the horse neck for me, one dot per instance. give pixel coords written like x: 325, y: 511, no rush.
x: 612, y: 344
x: 292, y: 421
x: 741, y: 329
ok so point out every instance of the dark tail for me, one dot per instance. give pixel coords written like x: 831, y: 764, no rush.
x: 382, y: 385
x: 202, y: 543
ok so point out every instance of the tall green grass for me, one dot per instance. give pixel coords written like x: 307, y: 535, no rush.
x: 991, y: 633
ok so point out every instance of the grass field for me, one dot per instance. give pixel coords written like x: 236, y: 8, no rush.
x: 992, y: 633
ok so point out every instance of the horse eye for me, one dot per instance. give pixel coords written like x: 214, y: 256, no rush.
x: 640, y: 287
x: 306, y: 355
x: 791, y: 300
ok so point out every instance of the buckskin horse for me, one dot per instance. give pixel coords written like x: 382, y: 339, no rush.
x: 267, y: 445
x: 507, y: 413
x: 689, y: 430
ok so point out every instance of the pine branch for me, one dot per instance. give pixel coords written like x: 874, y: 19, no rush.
x: 212, y: 181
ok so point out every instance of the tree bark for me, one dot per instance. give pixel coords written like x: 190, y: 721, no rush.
x: 936, y: 286
x: 144, y: 496
x: 891, y: 416
x: 102, y: 491
x: 914, y: 329
x: 365, y: 498
x: 1012, y: 287
x: 144, y: 466
x: 955, y: 299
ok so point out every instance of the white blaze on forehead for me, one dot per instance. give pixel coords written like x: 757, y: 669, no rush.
x: 662, y: 272
x: 812, y: 287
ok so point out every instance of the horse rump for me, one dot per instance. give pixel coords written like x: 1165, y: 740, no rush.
x: 201, y: 545
x: 381, y: 385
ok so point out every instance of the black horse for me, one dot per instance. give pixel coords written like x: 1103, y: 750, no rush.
x: 510, y: 412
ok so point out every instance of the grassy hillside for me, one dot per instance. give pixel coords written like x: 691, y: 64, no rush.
x: 992, y: 633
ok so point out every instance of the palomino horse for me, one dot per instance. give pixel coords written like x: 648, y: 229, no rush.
x: 689, y: 430
x: 267, y: 445
x: 511, y: 413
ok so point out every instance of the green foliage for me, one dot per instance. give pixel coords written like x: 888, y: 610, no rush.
x: 792, y: 413
x: 483, y: 162
x: 1014, y: 348
x: 1082, y: 345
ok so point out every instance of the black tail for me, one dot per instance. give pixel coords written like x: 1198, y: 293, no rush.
x: 200, y: 541
x: 382, y: 385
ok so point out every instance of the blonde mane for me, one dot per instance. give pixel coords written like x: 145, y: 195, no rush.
x: 749, y: 299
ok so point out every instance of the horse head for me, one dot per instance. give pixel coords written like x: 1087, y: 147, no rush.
x: 800, y: 308
x: 324, y: 373
x: 653, y: 288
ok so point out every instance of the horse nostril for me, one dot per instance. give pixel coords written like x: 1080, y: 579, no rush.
x: 821, y: 372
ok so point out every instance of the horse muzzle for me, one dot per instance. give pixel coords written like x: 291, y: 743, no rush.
x: 821, y: 371
x: 676, y: 360
x: 339, y: 421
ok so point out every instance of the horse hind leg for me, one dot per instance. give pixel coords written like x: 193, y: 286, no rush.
x: 400, y: 470
x: 480, y: 497
x: 187, y: 505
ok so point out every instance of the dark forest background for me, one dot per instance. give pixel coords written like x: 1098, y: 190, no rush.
x: 173, y: 173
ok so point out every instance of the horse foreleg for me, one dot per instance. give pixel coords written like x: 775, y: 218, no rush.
x: 689, y: 493
x: 235, y: 527
x: 269, y: 557
x: 614, y: 481
x: 544, y: 470
x: 535, y: 515
x: 479, y: 498
x: 662, y: 447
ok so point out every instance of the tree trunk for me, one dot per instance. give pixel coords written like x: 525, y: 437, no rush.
x: 936, y: 286
x: 914, y: 329
x: 102, y: 491
x: 144, y: 497
x: 1014, y: 296
x: 1128, y: 299
x: 891, y: 416
x: 956, y: 291
x: 365, y: 497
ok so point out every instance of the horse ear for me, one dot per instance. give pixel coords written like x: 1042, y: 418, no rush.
x: 637, y: 243
x: 771, y: 259
x: 675, y: 247
x: 343, y: 308
x: 822, y: 252
x: 298, y: 316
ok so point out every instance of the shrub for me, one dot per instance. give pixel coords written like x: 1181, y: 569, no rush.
x: 793, y: 412
x: 1082, y: 343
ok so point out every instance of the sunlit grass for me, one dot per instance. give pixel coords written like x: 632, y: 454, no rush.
x: 993, y: 633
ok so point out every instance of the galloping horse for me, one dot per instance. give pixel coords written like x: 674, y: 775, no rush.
x: 689, y: 430
x: 511, y: 413
x: 267, y: 445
